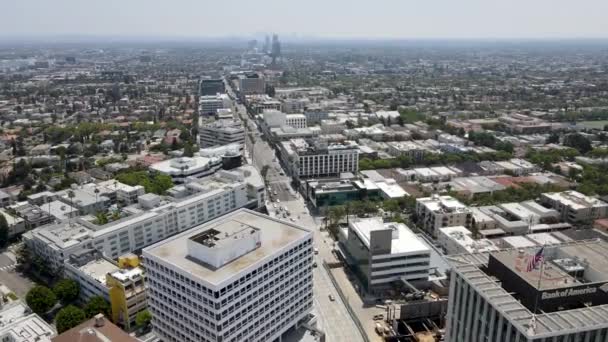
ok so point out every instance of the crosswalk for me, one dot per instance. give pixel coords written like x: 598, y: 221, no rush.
x: 8, y: 267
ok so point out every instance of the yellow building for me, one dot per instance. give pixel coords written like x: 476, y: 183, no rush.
x: 127, y: 292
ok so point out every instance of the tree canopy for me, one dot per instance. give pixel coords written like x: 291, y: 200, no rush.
x: 143, y: 318
x: 69, y: 317
x: 152, y: 182
x: 3, y: 231
x: 97, y: 305
x: 40, y: 299
x: 67, y: 290
x: 579, y: 142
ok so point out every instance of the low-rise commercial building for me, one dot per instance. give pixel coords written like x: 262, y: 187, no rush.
x: 457, y: 240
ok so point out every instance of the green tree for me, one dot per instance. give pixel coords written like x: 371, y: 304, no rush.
x: 67, y: 290
x: 69, y: 317
x: 553, y: 139
x: 579, y: 142
x: 3, y: 231
x: 143, y: 318
x: 97, y: 305
x: 188, y: 150
x: 40, y: 299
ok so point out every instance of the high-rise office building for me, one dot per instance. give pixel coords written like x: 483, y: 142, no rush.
x: 242, y: 277
x: 511, y: 295
x: 212, y: 86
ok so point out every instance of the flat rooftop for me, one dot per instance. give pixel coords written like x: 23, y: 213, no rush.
x: 275, y: 235
x: 406, y: 243
x: 552, y: 277
x: 98, y: 269
x: 472, y: 267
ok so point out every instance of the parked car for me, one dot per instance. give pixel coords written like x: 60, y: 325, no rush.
x: 332, y: 298
x: 378, y: 317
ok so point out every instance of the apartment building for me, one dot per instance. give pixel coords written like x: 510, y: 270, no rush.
x: 242, y: 277
x: 152, y: 219
x: 384, y: 253
x: 117, y: 191
x: 575, y: 207
x: 441, y: 211
x: 305, y: 160
x: 221, y: 132
x: 123, y: 287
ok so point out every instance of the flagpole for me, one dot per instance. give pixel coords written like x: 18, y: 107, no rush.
x: 540, y: 278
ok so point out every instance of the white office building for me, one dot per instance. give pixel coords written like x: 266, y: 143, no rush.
x: 221, y: 132
x: 384, y: 253
x: 305, y: 160
x: 295, y: 120
x: 180, y: 169
x: 442, y: 211
x: 152, y: 219
x: 242, y: 277
x: 209, y: 104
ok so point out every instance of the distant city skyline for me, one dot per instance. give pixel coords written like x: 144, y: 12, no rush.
x: 336, y: 19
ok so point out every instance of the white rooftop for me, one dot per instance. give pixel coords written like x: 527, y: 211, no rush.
x: 404, y: 241
x: 18, y: 324
x: 275, y: 234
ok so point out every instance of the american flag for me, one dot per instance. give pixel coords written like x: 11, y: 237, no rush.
x: 535, y: 260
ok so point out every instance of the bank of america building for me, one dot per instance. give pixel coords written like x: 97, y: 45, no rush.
x: 493, y: 296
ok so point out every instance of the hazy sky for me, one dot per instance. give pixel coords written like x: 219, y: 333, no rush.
x: 308, y: 18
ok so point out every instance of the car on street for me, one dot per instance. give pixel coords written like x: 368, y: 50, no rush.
x: 332, y: 298
x: 378, y: 317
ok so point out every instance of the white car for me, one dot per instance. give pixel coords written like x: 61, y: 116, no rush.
x: 274, y: 205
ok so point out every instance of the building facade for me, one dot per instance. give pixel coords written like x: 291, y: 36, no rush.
x: 252, y: 84
x: 321, y: 160
x: 385, y: 253
x: 212, y: 87
x: 494, y: 298
x: 242, y: 277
